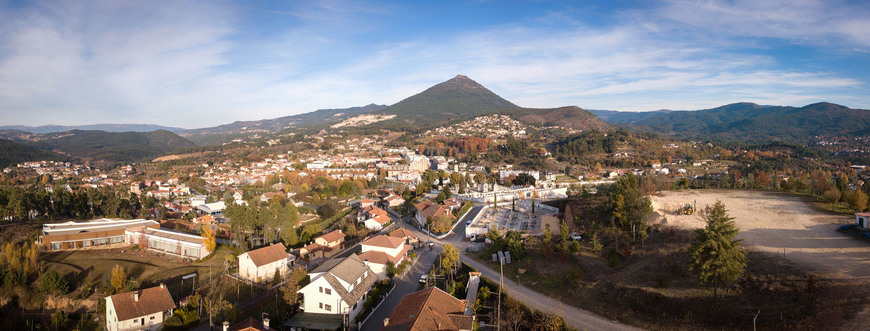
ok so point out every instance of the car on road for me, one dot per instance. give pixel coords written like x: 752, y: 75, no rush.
x: 423, y: 279
x: 468, y: 222
x: 431, y: 243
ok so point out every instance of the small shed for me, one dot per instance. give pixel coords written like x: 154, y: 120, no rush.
x: 862, y: 219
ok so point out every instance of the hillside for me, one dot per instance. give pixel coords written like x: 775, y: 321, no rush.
x: 99, y: 127
x: 752, y: 122
x: 101, y: 145
x: 570, y: 117
x: 625, y: 117
x: 460, y: 98
x: 318, y: 117
x: 12, y: 153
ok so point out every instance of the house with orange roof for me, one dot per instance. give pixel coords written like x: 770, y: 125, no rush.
x: 380, y: 251
x: 261, y: 264
x: 428, y: 209
x: 429, y: 309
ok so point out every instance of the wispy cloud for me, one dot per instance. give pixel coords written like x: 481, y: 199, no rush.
x: 197, y: 64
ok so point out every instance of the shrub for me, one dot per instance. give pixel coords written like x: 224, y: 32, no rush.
x: 52, y: 282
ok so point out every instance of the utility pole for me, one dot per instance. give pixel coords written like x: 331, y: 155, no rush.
x: 500, y: 285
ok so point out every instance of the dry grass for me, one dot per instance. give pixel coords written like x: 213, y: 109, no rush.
x: 652, y: 288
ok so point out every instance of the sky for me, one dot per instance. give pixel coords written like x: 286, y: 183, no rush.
x: 196, y: 64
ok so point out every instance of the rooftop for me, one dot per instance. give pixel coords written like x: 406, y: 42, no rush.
x: 101, y: 225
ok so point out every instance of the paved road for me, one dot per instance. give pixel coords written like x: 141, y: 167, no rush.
x: 575, y: 317
x: 408, y: 283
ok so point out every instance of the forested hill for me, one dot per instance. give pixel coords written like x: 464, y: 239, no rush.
x: 12, y: 153
x: 752, y: 122
x: 99, y: 145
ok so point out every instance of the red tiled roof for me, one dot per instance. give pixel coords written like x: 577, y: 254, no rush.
x: 384, y: 241
x: 268, y: 254
x: 333, y: 236
x: 402, y: 233
x: 151, y: 300
x: 429, y: 309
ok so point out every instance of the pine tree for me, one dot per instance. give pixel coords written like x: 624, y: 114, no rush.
x: 715, y: 257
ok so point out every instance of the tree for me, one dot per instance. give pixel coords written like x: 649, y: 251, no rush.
x: 449, y: 257
x: 52, y: 282
x: 290, y: 289
x: 208, y: 237
x: 441, y: 223
x: 524, y: 179
x: 630, y: 206
x: 119, y: 278
x: 715, y: 257
x: 831, y: 195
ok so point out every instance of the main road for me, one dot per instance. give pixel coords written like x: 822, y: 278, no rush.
x: 574, y: 317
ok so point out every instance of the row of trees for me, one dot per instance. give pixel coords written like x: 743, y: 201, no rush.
x: 272, y: 220
x: 36, y: 203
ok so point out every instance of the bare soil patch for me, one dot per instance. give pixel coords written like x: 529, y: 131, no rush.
x: 777, y: 224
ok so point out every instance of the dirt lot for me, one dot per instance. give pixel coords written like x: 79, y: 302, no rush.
x: 776, y: 223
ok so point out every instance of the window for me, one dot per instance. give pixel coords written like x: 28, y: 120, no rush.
x: 328, y: 291
x: 321, y: 305
x: 321, y: 289
x: 117, y: 239
x: 86, y: 243
x: 152, y: 317
x: 55, y: 246
x: 328, y: 308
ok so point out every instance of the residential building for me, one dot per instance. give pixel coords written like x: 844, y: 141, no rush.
x: 380, y: 251
x: 260, y: 265
x: 339, y: 287
x: 430, y: 210
x: 429, y: 309
x: 393, y: 201
x: 409, y: 237
x: 248, y: 324
x: 323, y: 245
x: 375, y: 218
x: 139, y: 310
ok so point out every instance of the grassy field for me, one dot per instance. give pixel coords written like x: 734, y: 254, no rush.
x: 144, y: 268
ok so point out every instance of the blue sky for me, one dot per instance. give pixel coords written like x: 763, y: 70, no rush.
x: 196, y: 64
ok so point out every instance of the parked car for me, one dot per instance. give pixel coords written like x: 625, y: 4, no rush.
x: 423, y: 279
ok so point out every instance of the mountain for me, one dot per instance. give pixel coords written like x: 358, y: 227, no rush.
x: 12, y: 153
x: 570, y: 117
x: 101, y: 145
x: 625, y: 117
x: 321, y: 116
x: 98, y: 127
x: 752, y: 122
x: 460, y: 98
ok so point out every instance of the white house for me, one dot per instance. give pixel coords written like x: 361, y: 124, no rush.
x: 338, y: 287
x: 380, y: 251
x: 260, y: 264
x: 139, y: 310
x: 375, y: 218
x: 862, y: 219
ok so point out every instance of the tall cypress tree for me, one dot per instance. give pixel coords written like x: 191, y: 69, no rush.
x: 715, y: 257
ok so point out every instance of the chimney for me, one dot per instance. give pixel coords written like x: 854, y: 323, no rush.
x: 386, y: 321
x: 366, y: 262
x: 266, y: 323
x: 162, y: 285
x: 226, y: 326
x: 136, y: 296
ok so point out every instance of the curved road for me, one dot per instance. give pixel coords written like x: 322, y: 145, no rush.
x: 574, y: 317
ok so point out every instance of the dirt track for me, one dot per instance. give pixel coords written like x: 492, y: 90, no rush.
x: 773, y: 223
